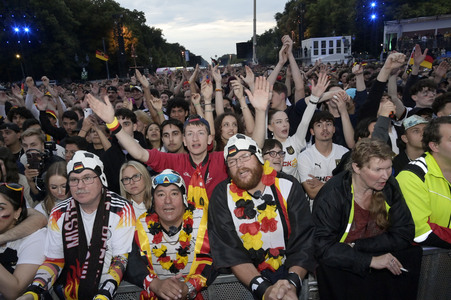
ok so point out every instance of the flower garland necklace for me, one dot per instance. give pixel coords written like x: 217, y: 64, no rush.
x: 270, y: 258
x: 156, y: 229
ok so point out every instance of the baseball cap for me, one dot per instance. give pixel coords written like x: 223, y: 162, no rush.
x: 413, y: 121
x: 240, y: 142
x: 83, y: 160
x: 11, y: 126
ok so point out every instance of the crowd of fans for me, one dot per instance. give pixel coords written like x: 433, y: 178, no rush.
x: 295, y: 166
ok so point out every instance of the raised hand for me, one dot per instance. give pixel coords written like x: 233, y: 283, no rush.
x: 142, y: 79
x: 288, y: 41
x: 250, y: 77
x: 321, y: 85
x: 261, y: 95
x: 45, y: 81
x: 238, y: 88
x: 283, y: 54
x: 357, y: 69
x: 30, y: 82
x: 104, y: 110
x: 395, y: 60
x: 216, y: 75
x: 115, y: 81
x: 442, y: 69
x: 206, y: 89
x: 195, y: 99
x: 386, y: 108
x: 418, y: 56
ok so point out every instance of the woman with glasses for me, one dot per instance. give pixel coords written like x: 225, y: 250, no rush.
x: 135, y: 186
x: 20, y: 259
x: 272, y: 152
x: 171, y: 256
x: 56, y: 186
x: 279, y: 126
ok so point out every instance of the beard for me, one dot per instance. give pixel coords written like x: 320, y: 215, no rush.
x: 255, y: 177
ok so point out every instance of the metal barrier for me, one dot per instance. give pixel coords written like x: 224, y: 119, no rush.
x: 435, y: 276
x: 434, y: 282
x: 225, y: 287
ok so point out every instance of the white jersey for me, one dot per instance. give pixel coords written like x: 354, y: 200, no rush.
x: 311, y: 161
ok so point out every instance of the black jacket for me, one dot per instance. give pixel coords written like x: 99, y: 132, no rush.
x: 331, y: 211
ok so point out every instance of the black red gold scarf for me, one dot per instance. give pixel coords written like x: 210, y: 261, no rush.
x: 83, y: 263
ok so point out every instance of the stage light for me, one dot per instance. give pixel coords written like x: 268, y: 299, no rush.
x: 373, y: 4
x: 16, y: 29
x: 373, y: 17
x: 26, y: 29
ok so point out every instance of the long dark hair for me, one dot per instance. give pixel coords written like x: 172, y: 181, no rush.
x: 12, y: 171
x: 218, y: 126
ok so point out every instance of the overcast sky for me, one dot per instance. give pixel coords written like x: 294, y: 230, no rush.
x: 207, y: 28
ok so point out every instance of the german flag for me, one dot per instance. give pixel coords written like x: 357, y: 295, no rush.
x: 427, y: 62
x: 101, y: 55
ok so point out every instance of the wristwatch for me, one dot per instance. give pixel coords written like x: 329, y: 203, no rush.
x: 191, y: 291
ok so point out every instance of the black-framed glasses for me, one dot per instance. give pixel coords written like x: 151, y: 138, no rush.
x: 128, y: 180
x: 86, y: 180
x: 231, y: 162
x: 276, y: 153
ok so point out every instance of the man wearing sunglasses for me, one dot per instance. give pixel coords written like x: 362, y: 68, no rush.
x: 259, y: 224
x: 89, y: 238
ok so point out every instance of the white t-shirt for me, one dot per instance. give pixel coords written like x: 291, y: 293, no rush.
x: 292, y: 148
x: 120, y: 230
x: 311, y: 161
x: 30, y: 249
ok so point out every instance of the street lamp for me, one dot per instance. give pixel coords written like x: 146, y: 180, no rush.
x: 21, y: 65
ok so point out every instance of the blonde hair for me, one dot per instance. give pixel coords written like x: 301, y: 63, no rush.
x: 364, y: 150
x: 145, y: 176
x: 143, y: 117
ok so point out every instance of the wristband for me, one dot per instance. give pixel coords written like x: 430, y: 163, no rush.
x: 244, y: 107
x: 100, y: 297
x: 209, y: 110
x: 197, y: 104
x: 258, y: 286
x: 35, y: 296
x: 113, y: 125
x: 313, y: 99
x: 160, y: 112
x: 295, y: 280
x: 147, y: 281
x: 218, y: 90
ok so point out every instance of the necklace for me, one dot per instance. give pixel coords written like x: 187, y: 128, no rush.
x: 184, y: 239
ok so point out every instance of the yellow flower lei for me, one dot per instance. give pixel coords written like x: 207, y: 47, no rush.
x: 254, y: 241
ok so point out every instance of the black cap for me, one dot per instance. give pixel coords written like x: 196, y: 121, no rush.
x: 111, y: 88
x: 11, y: 126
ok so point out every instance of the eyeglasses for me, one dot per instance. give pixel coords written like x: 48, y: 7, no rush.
x: 231, y: 162
x: 86, y: 180
x: 128, y: 180
x: 275, y: 153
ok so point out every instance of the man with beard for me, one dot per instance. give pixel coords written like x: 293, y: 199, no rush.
x: 260, y: 225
